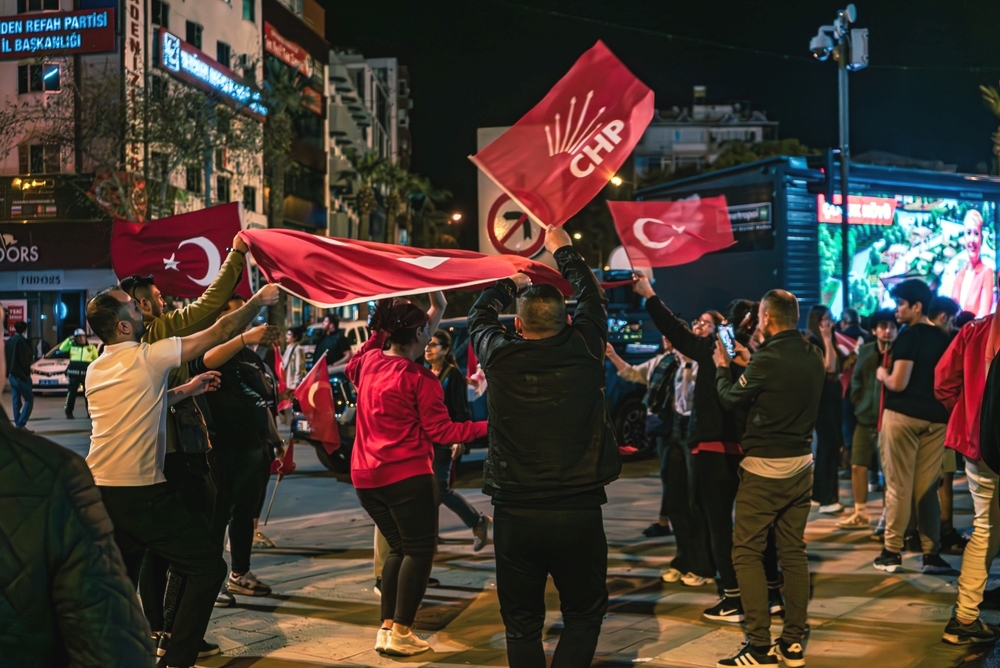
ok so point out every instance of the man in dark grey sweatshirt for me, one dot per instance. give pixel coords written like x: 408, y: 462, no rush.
x: 781, y: 387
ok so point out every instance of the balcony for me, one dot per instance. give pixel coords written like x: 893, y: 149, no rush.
x: 338, y: 165
x: 342, y: 123
x: 341, y: 78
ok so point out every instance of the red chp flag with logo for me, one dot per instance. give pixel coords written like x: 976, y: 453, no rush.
x: 664, y: 234
x: 565, y: 150
x: 183, y: 253
x: 329, y: 272
x: 316, y: 401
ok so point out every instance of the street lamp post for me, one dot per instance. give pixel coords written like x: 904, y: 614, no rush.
x: 849, y: 48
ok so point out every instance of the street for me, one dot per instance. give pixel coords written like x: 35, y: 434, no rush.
x: 323, y: 611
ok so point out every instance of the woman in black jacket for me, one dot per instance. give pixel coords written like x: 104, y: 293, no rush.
x: 829, y: 433
x: 446, y: 456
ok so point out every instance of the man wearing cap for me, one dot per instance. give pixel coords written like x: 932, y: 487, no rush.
x: 81, y: 354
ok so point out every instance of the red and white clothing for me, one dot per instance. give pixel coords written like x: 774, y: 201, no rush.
x: 401, y: 415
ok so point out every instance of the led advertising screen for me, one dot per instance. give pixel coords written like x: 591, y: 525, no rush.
x: 948, y: 243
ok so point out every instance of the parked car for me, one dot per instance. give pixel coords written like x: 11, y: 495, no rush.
x: 49, y: 373
x: 356, y: 332
x: 630, y: 332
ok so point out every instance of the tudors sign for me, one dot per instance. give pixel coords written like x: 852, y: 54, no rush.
x: 58, y: 33
x: 34, y: 247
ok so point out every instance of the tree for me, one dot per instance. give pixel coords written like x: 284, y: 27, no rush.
x: 370, y: 170
x: 991, y: 97
x: 282, y: 95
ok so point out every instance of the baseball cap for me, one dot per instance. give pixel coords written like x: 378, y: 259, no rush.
x: 79, y: 332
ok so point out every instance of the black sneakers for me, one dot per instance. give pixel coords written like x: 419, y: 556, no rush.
x: 728, y: 610
x: 953, y: 542
x: 935, y: 565
x: 890, y: 562
x: 973, y: 634
x: 749, y: 656
x: 656, y: 530
x: 790, y: 653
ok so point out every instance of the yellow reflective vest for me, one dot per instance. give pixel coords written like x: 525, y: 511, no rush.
x: 86, y: 353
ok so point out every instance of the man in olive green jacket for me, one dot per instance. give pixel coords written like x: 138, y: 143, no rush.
x: 190, y: 473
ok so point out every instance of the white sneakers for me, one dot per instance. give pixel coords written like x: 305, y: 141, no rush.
x: 831, y: 509
x: 672, y: 575
x: 855, y: 521
x: 398, y: 644
x: 687, y: 579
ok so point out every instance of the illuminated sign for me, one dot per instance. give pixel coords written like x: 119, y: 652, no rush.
x: 134, y: 66
x: 192, y: 66
x: 57, y: 33
x: 860, y: 210
x: 285, y: 50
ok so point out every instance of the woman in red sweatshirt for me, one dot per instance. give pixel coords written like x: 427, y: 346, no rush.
x: 401, y: 414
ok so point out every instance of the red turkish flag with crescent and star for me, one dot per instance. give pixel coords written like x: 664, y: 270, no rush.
x: 566, y: 149
x: 329, y: 271
x: 316, y: 401
x: 664, y: 234
x: 183, y: 253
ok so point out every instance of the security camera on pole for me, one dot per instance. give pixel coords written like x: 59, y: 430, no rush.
x: 850, y: 49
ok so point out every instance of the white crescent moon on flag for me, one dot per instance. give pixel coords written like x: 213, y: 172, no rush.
x: 211, y: 254
x: 312, y: 391
x: 640, y: 233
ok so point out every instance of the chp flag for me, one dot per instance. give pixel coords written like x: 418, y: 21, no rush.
x: 183, y: 253
x: 566, y: 149
x: 664, y: 234
x: 329, y: 272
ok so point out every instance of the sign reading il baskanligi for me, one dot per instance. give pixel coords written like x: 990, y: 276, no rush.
x: 194, y: 67
x: 58, y: 33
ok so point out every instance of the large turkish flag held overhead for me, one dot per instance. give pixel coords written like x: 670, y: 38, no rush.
x: 329, y: 272
x: 565, y: 150
x: 183, y: 253
x: 664, y: 234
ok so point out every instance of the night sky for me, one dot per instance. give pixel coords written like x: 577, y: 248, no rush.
x: 486, y: 62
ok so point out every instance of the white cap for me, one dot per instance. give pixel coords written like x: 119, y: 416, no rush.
x: 79, y: 332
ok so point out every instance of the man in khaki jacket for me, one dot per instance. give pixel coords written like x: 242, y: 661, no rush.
x: 189, y: 473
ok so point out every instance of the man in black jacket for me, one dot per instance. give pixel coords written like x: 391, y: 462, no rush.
x: 782, y: 387
x: 18, y: 354
x: 551, y: 453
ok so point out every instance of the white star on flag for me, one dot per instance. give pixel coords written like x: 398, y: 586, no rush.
x: 426, y: 262
x: 171, y: 263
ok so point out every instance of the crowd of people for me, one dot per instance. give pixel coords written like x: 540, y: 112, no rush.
x: 754, y: 421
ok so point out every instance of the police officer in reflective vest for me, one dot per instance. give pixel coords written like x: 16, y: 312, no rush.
x: 81, y: 354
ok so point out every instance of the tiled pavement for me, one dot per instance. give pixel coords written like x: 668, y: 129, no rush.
x: 323, y: 611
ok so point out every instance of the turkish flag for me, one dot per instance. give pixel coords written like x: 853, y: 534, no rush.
x: 329, y: 272
x: 316, y: 401
x: 286, y: 464
x: 566, y: 149
x: 183, y: 253
x: 664, y: 234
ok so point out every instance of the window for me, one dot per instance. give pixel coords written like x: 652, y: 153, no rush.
x: 250, y: 10
x: 249, y: 198
x: 38, y: 159
x: 36, y: 5
x: 192, y: 179
x: 158, y: 87
x: 37, y: 78
x: 194, y: 31
x: 223, y: 53
x: 222, y: 189
x: 160, y: 14
x: 404, y: 90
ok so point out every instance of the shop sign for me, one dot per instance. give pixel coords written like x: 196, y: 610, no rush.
x: 57, y: 33
x: 134, y: 65
x: 40, y: 280
x: 40, y: 251
x: 285, y: 50
x: 860, y: 210
x: 15, y: 310
x: 192, y: 66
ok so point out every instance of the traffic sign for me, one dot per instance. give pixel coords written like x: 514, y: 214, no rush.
x: 511, y: 231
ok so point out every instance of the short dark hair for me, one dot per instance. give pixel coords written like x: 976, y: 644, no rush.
x: 964, y: 318
x: 850, y: 316
x: 297, y: 332
x: 913, y: 291
x: 782, y: 306
x: 945, y: 305
x: 334, y: 319
x: 542, y: 309
x: 20, y: 326
x: 883, y: 316
x: 104, y: 313
x: 236, y: 297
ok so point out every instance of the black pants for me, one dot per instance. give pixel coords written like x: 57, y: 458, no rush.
x: 155, y: 518
x: 77, y: 375
x: 829, y: 441
x: 160, y: 593
x: 686, y: 516
x: 570, y: 545
x: 236, y: 472
x: 406, y: 512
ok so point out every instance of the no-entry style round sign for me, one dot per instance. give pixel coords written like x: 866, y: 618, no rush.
x: 511, y: 231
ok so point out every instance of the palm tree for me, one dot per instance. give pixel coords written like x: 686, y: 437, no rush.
x: 991, y: 96
x: 370, y: 170
x: 283, y: 97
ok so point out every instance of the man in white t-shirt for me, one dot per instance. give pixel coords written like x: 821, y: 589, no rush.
x: 128, y: 398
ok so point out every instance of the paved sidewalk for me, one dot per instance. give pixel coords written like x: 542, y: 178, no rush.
x: 323, y: 611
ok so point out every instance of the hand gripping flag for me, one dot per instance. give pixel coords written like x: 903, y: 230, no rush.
x: 664, y: 234
x: 316, y: 401
x: 566, y: 149
x: 329, y: 272
x: 183, y: 253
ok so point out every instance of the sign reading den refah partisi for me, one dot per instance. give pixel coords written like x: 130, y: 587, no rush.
x: 57, y: 33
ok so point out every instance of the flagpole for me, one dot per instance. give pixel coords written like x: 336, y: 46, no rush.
x: 273, y: 494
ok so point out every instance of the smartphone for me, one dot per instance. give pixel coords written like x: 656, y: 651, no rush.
x: 728, y: 338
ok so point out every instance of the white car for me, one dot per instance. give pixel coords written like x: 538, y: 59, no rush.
x: 49, y: 373
x: 356, y: 332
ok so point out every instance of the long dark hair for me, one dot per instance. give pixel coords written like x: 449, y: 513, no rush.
x: 444, y: 338
x: 400, y: 319
x: 816, y: 315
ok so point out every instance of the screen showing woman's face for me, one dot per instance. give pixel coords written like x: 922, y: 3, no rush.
x: 973, y: 238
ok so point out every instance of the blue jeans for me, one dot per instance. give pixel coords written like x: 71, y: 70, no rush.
x: 452, y: 500
x: 23, y: 399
